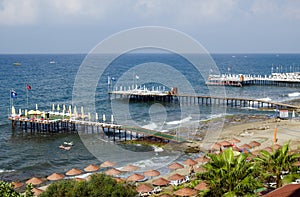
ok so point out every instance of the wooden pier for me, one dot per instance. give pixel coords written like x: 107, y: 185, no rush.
x: 200, y: 100
x: 109, y: 131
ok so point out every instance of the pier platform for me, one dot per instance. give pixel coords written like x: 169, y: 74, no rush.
x: 239, y: 80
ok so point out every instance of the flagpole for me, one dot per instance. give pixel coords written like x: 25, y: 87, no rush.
x: 26, y: 97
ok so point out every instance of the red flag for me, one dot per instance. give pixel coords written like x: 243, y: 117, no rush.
x: 28, y: 87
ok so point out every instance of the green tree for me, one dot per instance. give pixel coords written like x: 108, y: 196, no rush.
x: 230, y: 176
x: 7, y: 190
x: 276, y: 162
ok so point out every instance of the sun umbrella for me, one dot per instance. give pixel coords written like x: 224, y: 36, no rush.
x: 91, y: 168
x: 135, y: 177
x: 216, y: 146
x: 55, y: 177
x: 34, y: 181
x: 103, y: 118
x: 96, y: 117
x: 79, y: 179
x: 82, y: 112
x: 202, y: 159
x: 64, y: 107
x: 20, y: 111
x: 277, y: 146
x: 37, y: 191
x: 89, y: 116
x: 235, y: 140
x: 160, y: 182
x: 53, y: 107
x: 152, y: 173
x: 254, y: 144
x: 118, y: 179
x: 26, y: 113
x: 73, y: 171
x: 58, y: 108
x: 75, y: 111
x: 247, y: 146
x: 13, y: 110
x: 36, y: 107
x: 201, y: 186
x: 129, y: 168
x: 112, y: 118
x: 175, y: 166
x: 186, y: 192
x: 200, y: 169
x: 112, y: 172
x: 175, y: 177
x: 268, y: 149
x: 107, y: 164
x: 225, y: 143
x: 235, y: 148
x: 143, y: 188
x: 17, y: 184
x: 190, y: 162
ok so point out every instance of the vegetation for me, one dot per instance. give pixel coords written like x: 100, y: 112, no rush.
x: 99, y: 185
x: 276, y: 164
x: 230, y: 176
x: 7, y: 190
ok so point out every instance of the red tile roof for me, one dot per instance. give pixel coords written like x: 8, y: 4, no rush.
x: 291, y: 190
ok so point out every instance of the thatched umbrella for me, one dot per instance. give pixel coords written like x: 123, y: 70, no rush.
x: 235, y: 148
x: 79, y: 179
x: 190, y: 162
x: 17, y: 184
x: 277, y: 146
x: 135, y: 177
x: 160, y: 182
x: 118, y: 179
x: 34, y: 181
x: 268, y: 149
x: 255, y: 153
x: 152, y: 173
x: 165, y: 195
x: 247, y: 146
x: 91, y: 168
x: 55, y: 177
x: 186, y: 192
x: 37, y: 192
x: 216, y: 146
x: 73, y: 171
x: 112, y: 172
x: 107, y: 164
x: 129, y: 168
x: 225, y: 143
x: 144, y: 188
x: 202, y: 159
x: 201, y: 186
x: 254, y: 144
x: 176, y: 177
x: 175, y: 166
x: 235, y: 140
x: 200, y: 169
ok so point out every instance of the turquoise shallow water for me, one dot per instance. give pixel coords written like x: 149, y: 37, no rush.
x: 24, y: 155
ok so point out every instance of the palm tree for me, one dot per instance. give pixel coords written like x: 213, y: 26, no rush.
x: 277, y: 162
x: 230, y: 176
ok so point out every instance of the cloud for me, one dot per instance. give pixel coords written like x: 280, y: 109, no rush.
x: 18, y: 12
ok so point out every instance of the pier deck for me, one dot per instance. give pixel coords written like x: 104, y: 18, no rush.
x: 114, y: 132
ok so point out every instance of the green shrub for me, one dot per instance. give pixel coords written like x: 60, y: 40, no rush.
x: 7, y: 190
x: 99, y: 185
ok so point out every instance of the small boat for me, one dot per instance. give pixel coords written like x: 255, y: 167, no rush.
x: 157, y: 149
x: 17, y: 64
x: 65, y: 147
x: 68, y: 143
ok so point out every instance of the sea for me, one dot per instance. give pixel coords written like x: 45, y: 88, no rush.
x: 52, y: 78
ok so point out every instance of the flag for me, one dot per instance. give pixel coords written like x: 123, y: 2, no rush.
x: 28, y: 87
x: 13, y: 94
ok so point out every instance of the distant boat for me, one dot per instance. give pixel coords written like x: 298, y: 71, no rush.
x: 68, y: 143
x: 17, y: 64
x: 52, y: 62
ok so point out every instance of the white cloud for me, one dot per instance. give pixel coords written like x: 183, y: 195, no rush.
x: 18, y: 12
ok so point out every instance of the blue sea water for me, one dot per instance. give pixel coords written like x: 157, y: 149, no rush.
x: 24, y: 155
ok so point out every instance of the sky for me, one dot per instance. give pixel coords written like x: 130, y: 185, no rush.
x: 221, y: 26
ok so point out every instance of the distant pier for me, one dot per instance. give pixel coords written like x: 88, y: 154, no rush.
x: 239, y: 80
x: 145, y: 95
